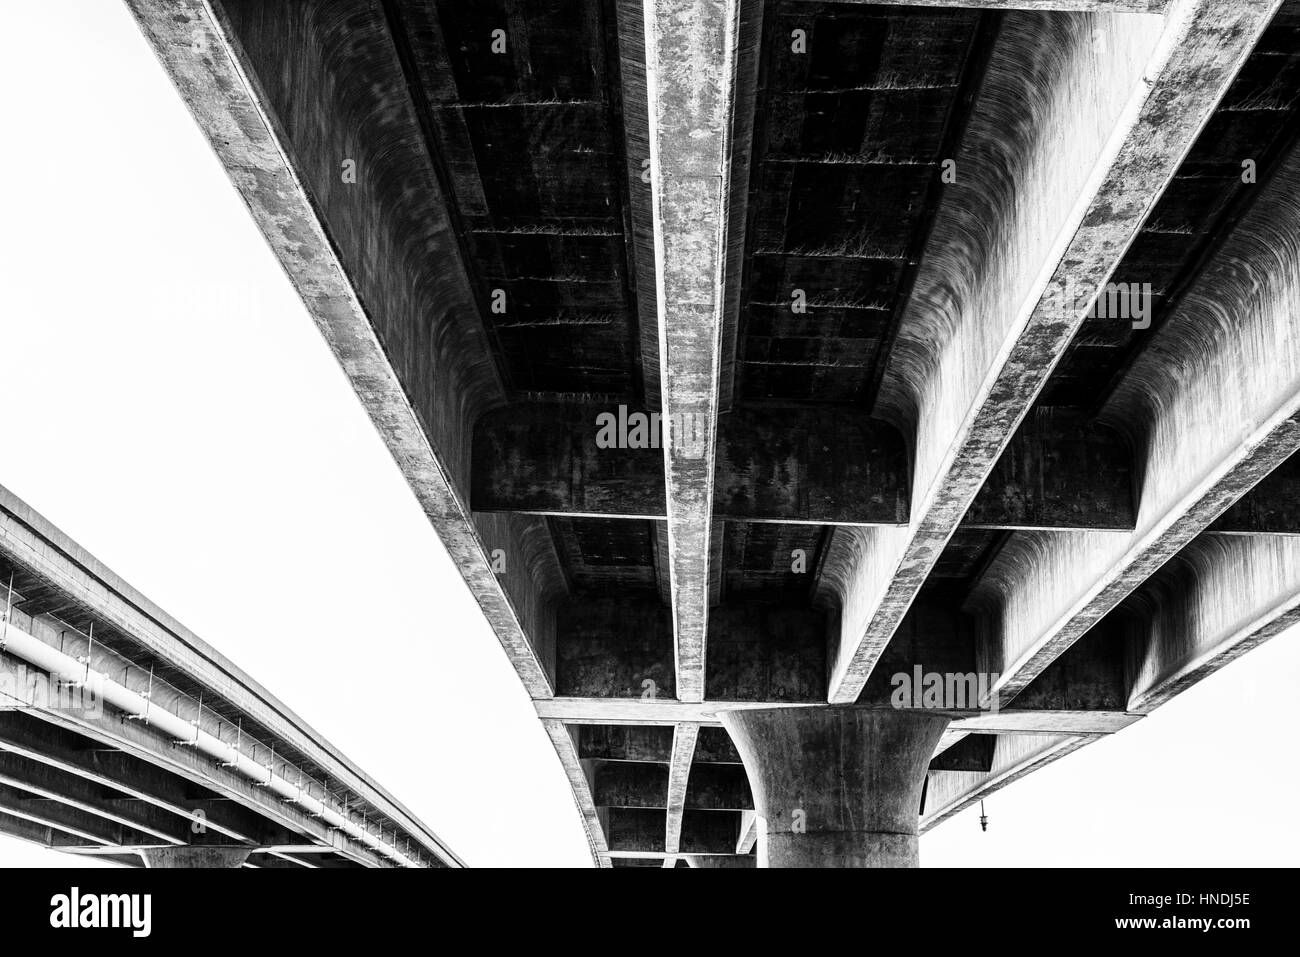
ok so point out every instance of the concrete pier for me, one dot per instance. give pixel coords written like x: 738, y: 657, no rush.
x: 836, y: 786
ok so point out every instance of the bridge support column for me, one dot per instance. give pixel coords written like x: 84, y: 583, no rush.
x: 838, y: 786
x: 196, y: 856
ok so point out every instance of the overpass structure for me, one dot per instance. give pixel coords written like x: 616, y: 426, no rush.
x: 125, y: 737
x: 756, y: 358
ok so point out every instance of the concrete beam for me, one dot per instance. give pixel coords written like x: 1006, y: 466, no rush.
x: 1211, y: 406
x: 950, y: 792
x: 640, y: 831
x: 787, y: 465
x: 135, y: 780
x: 562, y: 740
x: 283, y: 851
x: 652, y: 745
x: 615, y: 711
x: 749, y: 825
x: 1061, y: 470
x: 722, y: 860
x: 1222, y: 596
x: 278, y: 90
x: 1272, y: 507
x: 719, y: 787
x: 69, y: 819
x: 119, y: 733
x: 634, y: 96
x: 629, y: 784
x: 973, y: 752
x: 679, y: 772
x: 699, y: 67
x: 623, y: 649
x: 34, y: 545
x: 196, y: 857
x: 1064, y: 6
x: 44, y: 781
x: 1020, y: 246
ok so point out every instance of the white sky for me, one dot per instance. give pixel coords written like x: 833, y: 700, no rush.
x: 169, y: 404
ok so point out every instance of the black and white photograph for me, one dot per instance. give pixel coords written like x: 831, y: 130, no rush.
x: 666, y: 434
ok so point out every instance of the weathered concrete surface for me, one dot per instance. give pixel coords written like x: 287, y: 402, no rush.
x: 1066, y: 119
x: 623, y: 649
x: 138, y: 781
x: 259, y: 96
x: 1104, y: 6
x: 1220, y: 597
x: 20, y: 774
x: 1060, y: 470
x: 1272, y: 507
x: 679, y: 772
x: 950, y: 792
x: 974, y: 752
x: 837, y: 787
x: 693, y: 57
x: 196, y: 857
x: 794, y: 466
x: 59, y: 574
x: 579, y: 782
x: 784, y: 465
x: 647, y: 711
x: 1211, y: 407
x: 116, y: 732
x: 723, y: 860
x: 641, y: 830
x: 1029, y: 222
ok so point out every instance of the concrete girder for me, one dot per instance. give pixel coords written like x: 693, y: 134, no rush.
x: 33, y: 544
x: 1211, y: 406
x: 580, y: 784
x: 679, y: 772
x: 1060, y: 469
x: 1220, y: 597
x: 749, y: 825
x: 293, y: 854
x: 722, y: 860
x: 119, y: 733
x: 39, y: 694
x: 72, y: 820
x: 44, y: 781
x: 422, y: 404
x: 989, y: 317
x: 136, y: 780
x: 949, y: 792
x: 769, y: 467
x: 632, y: 711
x: 1063, y: 6
x: 196, y: 857
x: 28, y: 828
x: 88, y: 795
x: 1272, y: 507
x: 640, y: 831
x: 623, y: 648
x: 700, y: 69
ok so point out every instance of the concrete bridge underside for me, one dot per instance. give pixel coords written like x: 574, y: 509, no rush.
x: 124, y: 736
x: 864, y: 261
